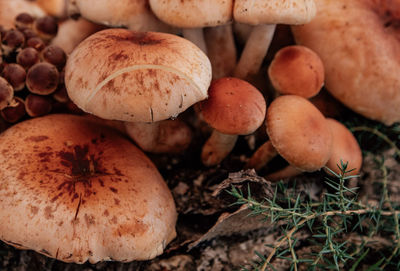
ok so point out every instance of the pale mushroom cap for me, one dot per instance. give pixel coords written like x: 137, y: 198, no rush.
x: 9, y: 9
x: 134, y: 14
x: 71, y: 32
x: 297, y: 70
x: 299, y: 132
x: 358, y: 42
x: 274, y: 12
x: 344, y: 147
x: 234, y: 106
x: 193, y: 13
x: 136, y: 76
x: 75, y: 190
x: 56, y: 8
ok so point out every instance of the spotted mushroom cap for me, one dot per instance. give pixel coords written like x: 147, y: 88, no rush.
x: 188, y: 14
x: 358, y: 42
x: 234, y: 107
x: 136, y: 76
x: 299, y: 132
x: 345, y: 147
x: 134, y: 14
x: 74, y: 190
x: 274, y: 12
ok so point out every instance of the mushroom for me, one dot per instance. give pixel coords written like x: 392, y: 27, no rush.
x: 221, y: 50
x: 15, y: 74
x: 234, y: 107
x: 133, y: 14
x: 298, y: 132
x: 345, y: 149
x: 72, y: 32
x: 57, y: 8
x: 265, y: 14
x: 192, y: 16
x: 81, y: 192
x: 6, y: 93
x: 168, y: 136
x: 140, y: 77
x: 9, y: 9
x: 296, y: 70
x: 359, y: 46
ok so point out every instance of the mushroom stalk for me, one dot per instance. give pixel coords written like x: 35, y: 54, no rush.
x: 287, y: 172
x: 195, y: 35
x: 221, y: 50
x: 217, y: 147
x: 265, y: 153
x: 254, y: 51
x: 167, y: 136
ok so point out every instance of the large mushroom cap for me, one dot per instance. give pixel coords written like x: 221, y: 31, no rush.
x: 299, y: 132
x: 358, y: 42
x: 274, y: 12
x: 134, y: 14
x: 234, y: 106
x: 9, y: 9
x: 136, y: 76
x: 199, y: 13
x: 75, y: 190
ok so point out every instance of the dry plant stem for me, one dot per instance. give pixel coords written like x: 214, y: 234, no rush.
x: 265, y: 153
x: 195, y: 35
x: 378, y: 134
x: 221, y: 50
x: 217, y: 147
x: 287, y: 172
x: 254, y: 51
x: 167, y: 136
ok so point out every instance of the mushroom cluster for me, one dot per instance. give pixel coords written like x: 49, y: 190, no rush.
x: 91, y: 181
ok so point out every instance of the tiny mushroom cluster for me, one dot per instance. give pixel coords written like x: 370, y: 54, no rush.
x: 79, y: 182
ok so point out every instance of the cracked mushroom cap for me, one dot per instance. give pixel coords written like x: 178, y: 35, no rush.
x: 187, y: 14
x: 136, y: 76
x: 299, y: 132
x: 274, y: 12
x: 134, y: 14
x: 344, y: 147
x: 233, y: 107
x: 358, y: 42
x: 80, y: 191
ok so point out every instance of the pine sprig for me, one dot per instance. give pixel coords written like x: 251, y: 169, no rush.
x: 337, y: 215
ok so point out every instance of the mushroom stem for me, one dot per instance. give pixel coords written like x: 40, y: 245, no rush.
x: 196, y: 36
x: 265, y: 153
x: 254, y: 51
x: 217, y: 147
x: 167, y: 136
x: 221, y: 50
x: 287, y: 172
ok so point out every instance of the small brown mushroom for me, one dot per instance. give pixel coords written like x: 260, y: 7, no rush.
x: 54, y: 55
x: 42, y: 78
x: 24, y: 20
x: 36, y: 105
x: 46, y: 27
x: 28, y: 57
x: 15, y: 111
x: 299, y: 133
x: 6, y: 93
x: 296, y: 70
x: 345, y: 149
x: 15, y: 74
x: 234, y: 107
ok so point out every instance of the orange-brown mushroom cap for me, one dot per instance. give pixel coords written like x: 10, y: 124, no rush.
x: 299, y: 132
x: 75, y: 190
x: 234, y: 106
x: 344, y: 148
x: 297, y: 70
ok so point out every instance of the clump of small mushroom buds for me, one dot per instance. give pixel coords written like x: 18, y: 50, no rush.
x: 31, y: 69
